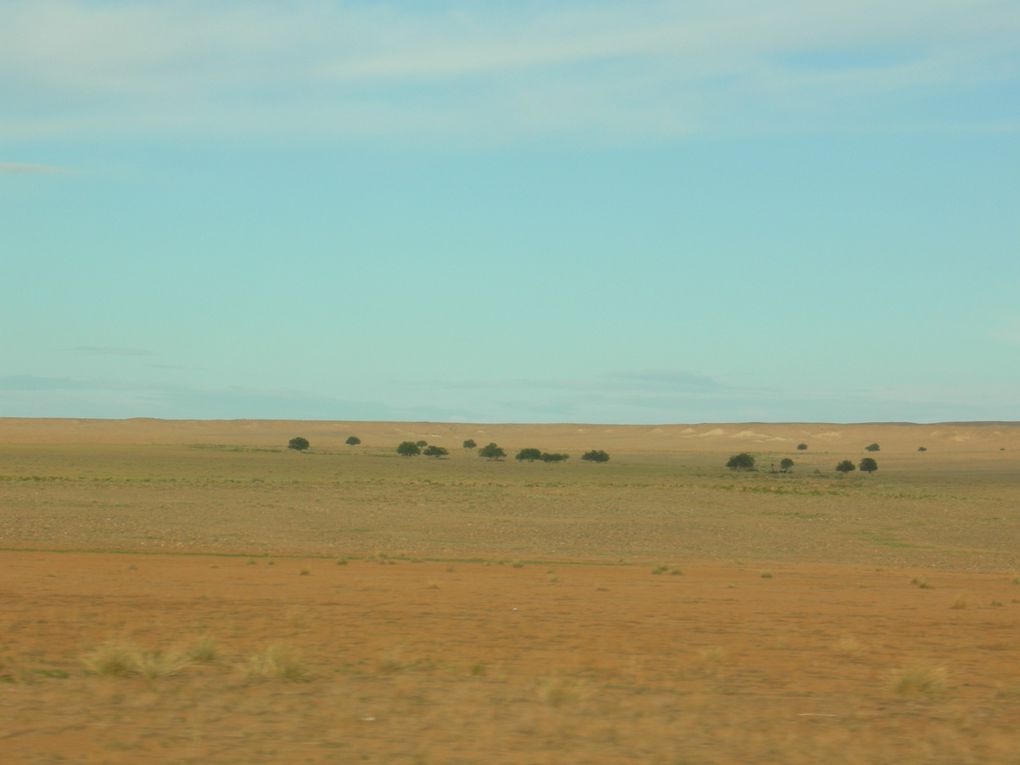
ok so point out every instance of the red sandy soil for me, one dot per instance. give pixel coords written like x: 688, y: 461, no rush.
x: 467, y: 663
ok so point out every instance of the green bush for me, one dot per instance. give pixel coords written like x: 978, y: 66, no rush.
x: 786, y: 464
x: 469, y: 444
x: 595, y: 455
x: 298, y: 444
x: 408, y: 449
x: 353, y: 441
x: 491, y: 452
x: 872, y: 448
x: 801, y: 447
x: 435, y: 451
x: 555, y: 457
x: 529, y: 454
x: 868, y: 465
x: 846, y: 466
x: 742, y: 461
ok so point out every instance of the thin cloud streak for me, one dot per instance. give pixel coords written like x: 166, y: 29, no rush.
x: 632, y: 70
x: 23, y: 168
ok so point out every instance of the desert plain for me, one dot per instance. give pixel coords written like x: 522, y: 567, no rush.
x: 196, y: 592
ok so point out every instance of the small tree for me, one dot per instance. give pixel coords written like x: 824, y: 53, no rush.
x: 435, y: 451
x: 786, y: 464
x: 868, y: 465
x: 491, y: 452
x: 353, y: 441
x: 595, y: 455
x: 742, y: 461
x: 408, y: 449
x: 554, y: 457
x: 801, y: 447
x: 846, y: 466
x: 529, y: 454
x: 470, y: 444
x: 872, y: 448
x: 298, y: 444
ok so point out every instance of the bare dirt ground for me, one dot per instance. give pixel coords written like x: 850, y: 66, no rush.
x: 195, y: 593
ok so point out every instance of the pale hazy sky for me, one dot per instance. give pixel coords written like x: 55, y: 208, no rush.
x: 528, y: 211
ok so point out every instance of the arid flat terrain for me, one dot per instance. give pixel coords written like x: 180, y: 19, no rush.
x: 195, y: 592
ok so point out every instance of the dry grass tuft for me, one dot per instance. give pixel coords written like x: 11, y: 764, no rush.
x: 278, y: 662
x: 920, y: 679
x: 959, y: 602
x: 849, y: 646
x: 204, y: 650
x: 121, y: 659
x: 920, y: 581
x: 562, y: 691
x: 766, y: 574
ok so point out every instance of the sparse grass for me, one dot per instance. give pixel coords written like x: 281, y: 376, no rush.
x: 278, y: 661
x: 562, y: 691
x: 341, y: 561
x: 122, y: 659
x: 305, y: 572
x: 517, y: 564
x: 959, y: 602
x: 432, y: 584
x: 204, y: 650
x: 766, y: 575
x: 849, y: 646
x: 920, y: 581
x: 920, y: 679
x: 660, y: 570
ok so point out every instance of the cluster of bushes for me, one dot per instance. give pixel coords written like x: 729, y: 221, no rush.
x: 300, y: 443
x: 414, y: 448
x: 867, y: 465
x: 745, y: 461
x: 537, y: 454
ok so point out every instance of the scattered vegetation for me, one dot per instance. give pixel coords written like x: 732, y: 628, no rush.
x: 352, y: 441
x: 872, y: 448
x: 868, y: 465
x: 278, y: 662
x: 959, y: 602
x: 298, y: 444
x: 554, y: 457
x: 786, y: 464
x: 530, y: 455
x: 435, y: 451
x: 121, y: 659
x: 595, y: 455
x: 408, y: 449
x: 920, y: 679
x: 801, y: 447
x: 922, y: 448
x: 491, y: 452
x: 742, y: 461
x: 846, y: 466
x: 469, y: 444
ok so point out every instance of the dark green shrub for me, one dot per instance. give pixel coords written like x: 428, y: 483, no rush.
x: 868, y: 465
x: 786, y: 464
x: 491, y: 452
x: 742, y: 461
x: 554, y: 457
x: 435, y: 451
x: 872, y: 448
x: 529, y: 454
x: 299, y: 444
x: 353, y: 441
x: 846, y: 466
x: 469, y: 444
x: 801, y: 447
x: 595, y: 455
x: 408, y: 449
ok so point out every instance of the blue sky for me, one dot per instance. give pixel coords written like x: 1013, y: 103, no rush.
x: 525, y: 212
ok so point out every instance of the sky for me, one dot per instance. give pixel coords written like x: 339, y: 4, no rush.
x: 620, y: 212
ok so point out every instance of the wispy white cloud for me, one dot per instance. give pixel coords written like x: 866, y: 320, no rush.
x: 23, y: 168
x: 629, y: 69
